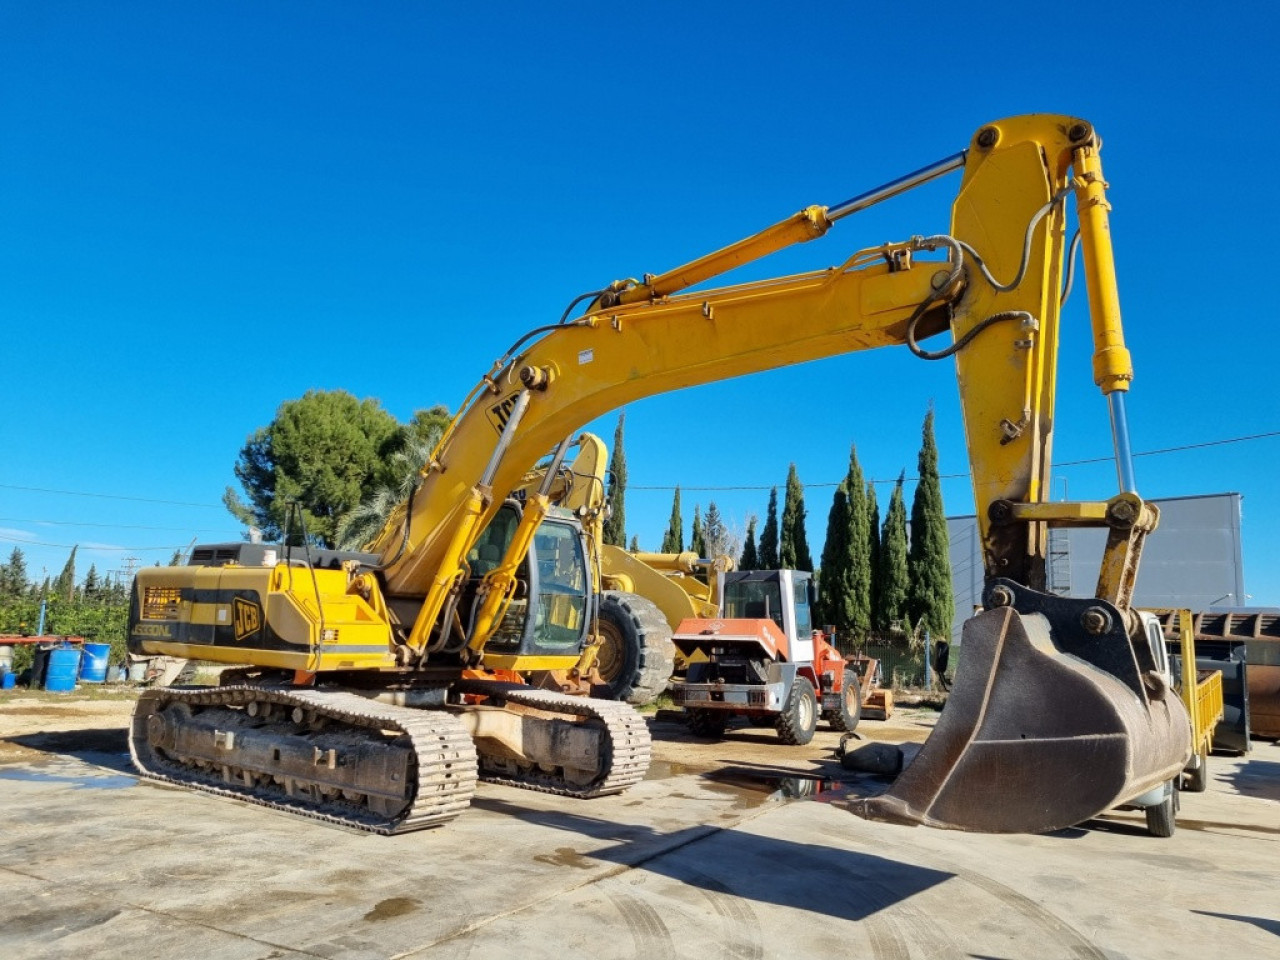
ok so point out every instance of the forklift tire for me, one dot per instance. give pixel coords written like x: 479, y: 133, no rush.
x: 636, y: 658
x: 799, y: 717
x: 846, y: 718
x: 708, y: 723
x: 1161, y: 818
x: 1197, y: 780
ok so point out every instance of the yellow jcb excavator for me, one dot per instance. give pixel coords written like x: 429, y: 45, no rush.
x: 1058, y: 710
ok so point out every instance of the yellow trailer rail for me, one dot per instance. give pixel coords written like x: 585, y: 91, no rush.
x: 1201, y: 692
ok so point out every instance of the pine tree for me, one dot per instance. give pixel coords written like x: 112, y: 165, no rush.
x: 635, y: 544
x: 894, y: 582
x: 717, y: 538
x: 13, y: 575
x: 793, y: 549
x: 929, y: 561
x: 859, y: 583
x: 873, y: 553
x: 615, y: 522
x: 92, y: 586
x: 750, y: 559
x: 834, y: 608
x: 697, y: 542
x: 769, y: 535
x: 65, y: 585
x: 673, y: 539
x: 176, y: 559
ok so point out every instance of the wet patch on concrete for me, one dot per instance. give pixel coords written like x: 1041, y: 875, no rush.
x: 80, y: 781
x: 768, y: 786
x: 566, y: 857
x: 391, y: 908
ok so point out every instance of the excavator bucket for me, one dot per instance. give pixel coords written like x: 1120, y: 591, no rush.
x: 1034, y: 738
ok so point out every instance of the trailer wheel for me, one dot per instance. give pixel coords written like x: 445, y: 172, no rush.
x: 846, y: 717
x: 636, y: 657
x: 1161, y: 818
x: 799, y: 718
x: 1197, y: 779
x: 708, y: 723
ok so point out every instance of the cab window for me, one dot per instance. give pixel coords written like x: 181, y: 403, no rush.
x: 804, y: 619
x: 492, y: 545
x: 753, y: 600
x: 562, y: 586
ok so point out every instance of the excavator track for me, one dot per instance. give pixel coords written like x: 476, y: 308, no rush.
x: 625, y: 750
x: 332, y: 756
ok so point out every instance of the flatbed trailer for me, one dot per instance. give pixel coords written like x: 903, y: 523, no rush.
x: 1201, y: 693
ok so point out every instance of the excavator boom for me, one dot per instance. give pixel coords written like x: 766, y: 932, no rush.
x: 998, y: 291
x: 1055, y: 712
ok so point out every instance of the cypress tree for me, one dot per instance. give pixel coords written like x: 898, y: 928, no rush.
x: 859, y: 562
x: 793, y: 551
x: 929, y: 561
x: 635, y: 544
x: 615, y: 522
x: 65, y: 585
x: 750, y: 559
x: 673, y: 539
x: 834, y: 592
x: 697, y: 542
x: 893, y: 563
x: 873, y: 553
x: 769, y: 535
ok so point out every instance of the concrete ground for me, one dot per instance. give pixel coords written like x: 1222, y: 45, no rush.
x: 712, y: 856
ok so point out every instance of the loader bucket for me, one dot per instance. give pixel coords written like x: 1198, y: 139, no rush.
x: 1033, y: 738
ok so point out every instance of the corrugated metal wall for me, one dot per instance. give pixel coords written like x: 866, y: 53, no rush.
x: 1193, y: 559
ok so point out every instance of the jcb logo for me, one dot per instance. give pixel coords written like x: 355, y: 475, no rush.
x: 500, y: 412
x: 246, y: 618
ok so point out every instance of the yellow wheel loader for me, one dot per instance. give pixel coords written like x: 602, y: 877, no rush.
x: 381, y: 687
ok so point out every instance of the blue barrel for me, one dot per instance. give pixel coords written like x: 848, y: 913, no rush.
x: 93, y: 662
x: 60, y: 675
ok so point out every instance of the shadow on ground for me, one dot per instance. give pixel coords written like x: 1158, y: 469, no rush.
x: 107, y: 747
x: 1257, y: 778
x: 1262, y: 923
x: 839, y: 883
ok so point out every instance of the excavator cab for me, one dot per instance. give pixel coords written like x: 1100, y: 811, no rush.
x: 553, y: 604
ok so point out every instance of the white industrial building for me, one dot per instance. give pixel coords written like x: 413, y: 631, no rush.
x: 1193, y: 558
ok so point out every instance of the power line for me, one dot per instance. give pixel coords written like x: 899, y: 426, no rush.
x: 114, y: 526
x: 86, y: 546
x: 108, y: 496
x: 946, y: 476
x: 964, y: 476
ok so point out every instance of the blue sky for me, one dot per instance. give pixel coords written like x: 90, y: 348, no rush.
x: 206, y: 210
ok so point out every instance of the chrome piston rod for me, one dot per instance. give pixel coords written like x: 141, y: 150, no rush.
x: 894, y: 187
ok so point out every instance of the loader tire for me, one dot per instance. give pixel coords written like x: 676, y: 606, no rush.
x: 846, y: 717
x: 799, y: 718
x: 636, y: 657
x: 708, y: 723
x: 1161, y: 818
